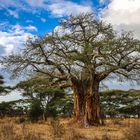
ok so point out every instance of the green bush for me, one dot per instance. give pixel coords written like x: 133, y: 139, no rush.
x: 35, y: 111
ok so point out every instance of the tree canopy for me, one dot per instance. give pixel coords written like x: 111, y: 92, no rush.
x: 51, y: 100
x: 81, y: 45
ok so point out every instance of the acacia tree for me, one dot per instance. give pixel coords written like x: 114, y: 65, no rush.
x: 83, y: 51
x: 40, y: 93
x: 119, y: 102
x: 3, y: 89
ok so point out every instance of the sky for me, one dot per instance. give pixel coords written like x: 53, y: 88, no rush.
x: 20, y: 19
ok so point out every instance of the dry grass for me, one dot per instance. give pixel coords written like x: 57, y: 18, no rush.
x: 133, y: 132
x: 9, y: 131
x: 57, y: 129
x: 73, y: 134
x: 63, y: 129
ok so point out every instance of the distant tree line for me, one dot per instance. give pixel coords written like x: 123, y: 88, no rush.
x: 40, y: 100
x: 119, y: 103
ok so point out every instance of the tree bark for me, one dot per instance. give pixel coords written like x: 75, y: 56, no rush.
x: 78, y: 93
x: 92, y: 105
x: 87, y: 103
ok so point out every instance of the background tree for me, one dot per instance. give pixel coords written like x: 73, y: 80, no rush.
x: 130, y: 103
x: 3, y: 89
x: 120, y: 103
x: 50, y: 99
x: 83, y: 52
x: 35, y: 110
x: 13, y: 108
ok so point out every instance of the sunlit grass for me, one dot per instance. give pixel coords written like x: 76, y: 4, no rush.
x: 65, y: 129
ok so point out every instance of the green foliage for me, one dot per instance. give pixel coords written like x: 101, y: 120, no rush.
x: 13, y: 108
x: 60, y: 106
x: 53, y: 100
x: 4, y: 89
x: 115, y: 102
x: 1, y: 80
x: 67, y: 105
x: 35, y: 111
x: 4, y: 106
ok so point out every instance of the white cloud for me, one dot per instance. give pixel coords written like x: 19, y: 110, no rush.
x: 11, y: 41
x: 21, y: 29
x: 114, y: 84
x: 29, y: 21
x: 13, y: 13
x: 31, y: 28
x: 12, y: 96
x: 56, y: 7
x: 61, y: 31
x: 43, y: 19
x: 66, y: 8
x: 103, y: 1
x: 17, y: 4
x: 9, y: 3
x: 124, y: 14
x: 36, y: 3
x: 14, y: 38
x: 60, y: 8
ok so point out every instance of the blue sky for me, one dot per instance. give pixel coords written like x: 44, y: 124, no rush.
x: 42, y: 14
x: 20, y: 19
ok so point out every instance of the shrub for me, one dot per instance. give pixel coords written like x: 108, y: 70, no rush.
x: 35, y: 111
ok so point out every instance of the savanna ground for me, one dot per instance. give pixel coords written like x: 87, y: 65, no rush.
x: 66, y: 129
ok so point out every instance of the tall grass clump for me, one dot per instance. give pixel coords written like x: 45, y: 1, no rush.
x: 57, y: 129
x: 133, y: 132
x: 9, y: 131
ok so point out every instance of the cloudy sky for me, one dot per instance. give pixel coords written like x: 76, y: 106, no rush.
x: 20, y: 19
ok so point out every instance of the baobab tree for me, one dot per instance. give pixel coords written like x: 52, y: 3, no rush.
x: 82, y: 51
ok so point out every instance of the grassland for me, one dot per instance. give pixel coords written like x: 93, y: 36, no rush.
x: 65, y: 129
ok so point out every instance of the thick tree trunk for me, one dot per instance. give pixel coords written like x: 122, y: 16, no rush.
x: 92, y: 105
x: 87, y: 103
x: 78, y: 102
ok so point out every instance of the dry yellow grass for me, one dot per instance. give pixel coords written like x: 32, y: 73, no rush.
x: 66, y: 130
